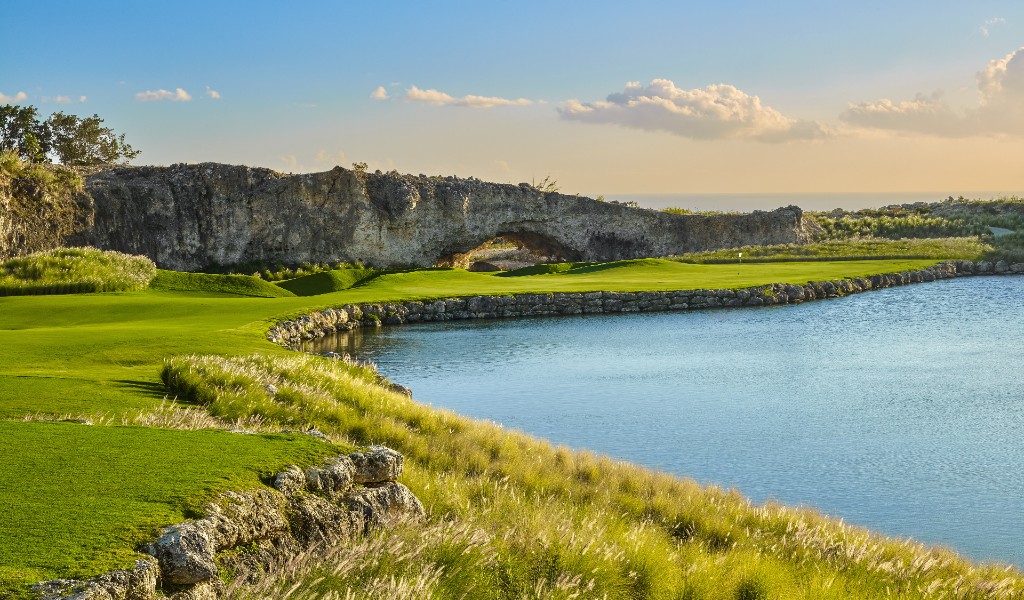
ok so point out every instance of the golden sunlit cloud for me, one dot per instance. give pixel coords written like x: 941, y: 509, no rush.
x: 212, y: 93
x: 1000, y: 112
x: 716, y: 112
x: 438, y: 98
x: 178, y: 95
x: 380, y: 93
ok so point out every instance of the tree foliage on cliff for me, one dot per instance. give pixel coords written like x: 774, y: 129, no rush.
x: 67, y: 139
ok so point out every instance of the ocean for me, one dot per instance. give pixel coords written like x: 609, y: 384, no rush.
x: 806, y: 201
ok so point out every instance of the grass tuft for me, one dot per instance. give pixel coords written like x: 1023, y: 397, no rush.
x: 73, y: 271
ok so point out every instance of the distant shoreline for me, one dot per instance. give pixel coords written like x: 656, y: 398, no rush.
x: 813, y: 201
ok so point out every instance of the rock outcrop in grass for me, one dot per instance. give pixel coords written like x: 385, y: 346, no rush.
x: 346, y: 498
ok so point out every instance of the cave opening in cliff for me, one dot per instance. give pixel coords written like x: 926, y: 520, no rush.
x: 507, y: 252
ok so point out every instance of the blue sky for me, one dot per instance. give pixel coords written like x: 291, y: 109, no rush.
x: 727, y: 96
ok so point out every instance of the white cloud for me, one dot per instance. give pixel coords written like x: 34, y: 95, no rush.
x: 63, y: 100
x: 324, y: 157
x: 212, y: 93
x: 716, y: 112
x: 415, y: 94
x: 5, y: 99
x: 178, y: 95
x: 1000, y: 110
x: 82, y: 98
x: 986, y: 27
x: 380, y: 93
x: 291, y: 162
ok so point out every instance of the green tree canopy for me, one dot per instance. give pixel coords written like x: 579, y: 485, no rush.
x: 77, y: 141
x: 22, y: 132
x: 67, y: 139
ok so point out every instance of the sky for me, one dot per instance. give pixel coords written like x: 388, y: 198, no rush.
x: 606, y: 98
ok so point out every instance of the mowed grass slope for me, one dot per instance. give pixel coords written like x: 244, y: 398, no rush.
x: 100, y: 356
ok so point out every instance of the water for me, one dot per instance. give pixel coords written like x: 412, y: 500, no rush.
x: 806, y: 201
x: 901, y: 410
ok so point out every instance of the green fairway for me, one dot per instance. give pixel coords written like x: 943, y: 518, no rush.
x: 80, y: 498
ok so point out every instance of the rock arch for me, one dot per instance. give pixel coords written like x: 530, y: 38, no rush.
x: 191, y: 216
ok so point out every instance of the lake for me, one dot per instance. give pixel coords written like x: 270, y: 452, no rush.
x: 901, y: 409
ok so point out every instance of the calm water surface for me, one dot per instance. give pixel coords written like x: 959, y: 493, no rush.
x: 901, y: 410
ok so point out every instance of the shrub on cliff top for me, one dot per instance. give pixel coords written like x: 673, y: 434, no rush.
x: 36, y: 182
x: 75, y: 270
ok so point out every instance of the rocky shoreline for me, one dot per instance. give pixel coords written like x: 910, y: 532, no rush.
x: 317, y: 324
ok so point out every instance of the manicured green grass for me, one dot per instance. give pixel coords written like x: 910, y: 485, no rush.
x: 100, y: 355
x: 101, y: 352
x: 206, y: 284
x: 77, y: 498
x: 631, y: 275
x: 852, y: 249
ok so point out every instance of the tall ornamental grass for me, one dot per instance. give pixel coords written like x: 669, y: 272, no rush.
x: 511, y: 516
x: 74, y: 271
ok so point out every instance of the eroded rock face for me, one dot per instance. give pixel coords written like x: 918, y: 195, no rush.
x: 191, y: 216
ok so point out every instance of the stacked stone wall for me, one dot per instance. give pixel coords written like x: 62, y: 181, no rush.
x: 352, y: 316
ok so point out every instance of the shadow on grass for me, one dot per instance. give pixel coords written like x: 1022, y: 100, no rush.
x: 149, y: 388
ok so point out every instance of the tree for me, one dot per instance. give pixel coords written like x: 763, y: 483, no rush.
x: 21, y: 132
x: 77, y: 142
x: 68, y: 139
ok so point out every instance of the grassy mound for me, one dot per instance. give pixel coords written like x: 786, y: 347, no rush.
x: 73, y: 271
x: 217, y: 285
x: 543, y: 269
x: 326, y: 282
x: 512, y: 516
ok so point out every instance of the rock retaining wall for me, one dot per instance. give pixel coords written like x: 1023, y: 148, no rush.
x: 346, y: 497
x: 351, y: 316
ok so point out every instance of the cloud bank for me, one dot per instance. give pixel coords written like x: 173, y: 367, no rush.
x: 178, y: 95
x: 5, y: 99
x: 438, y: 98
x: 713, y: 113
x: 1000, y: 111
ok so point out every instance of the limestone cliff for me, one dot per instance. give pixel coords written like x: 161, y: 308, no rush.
x: 190, y: 216
x: 40, y: 210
